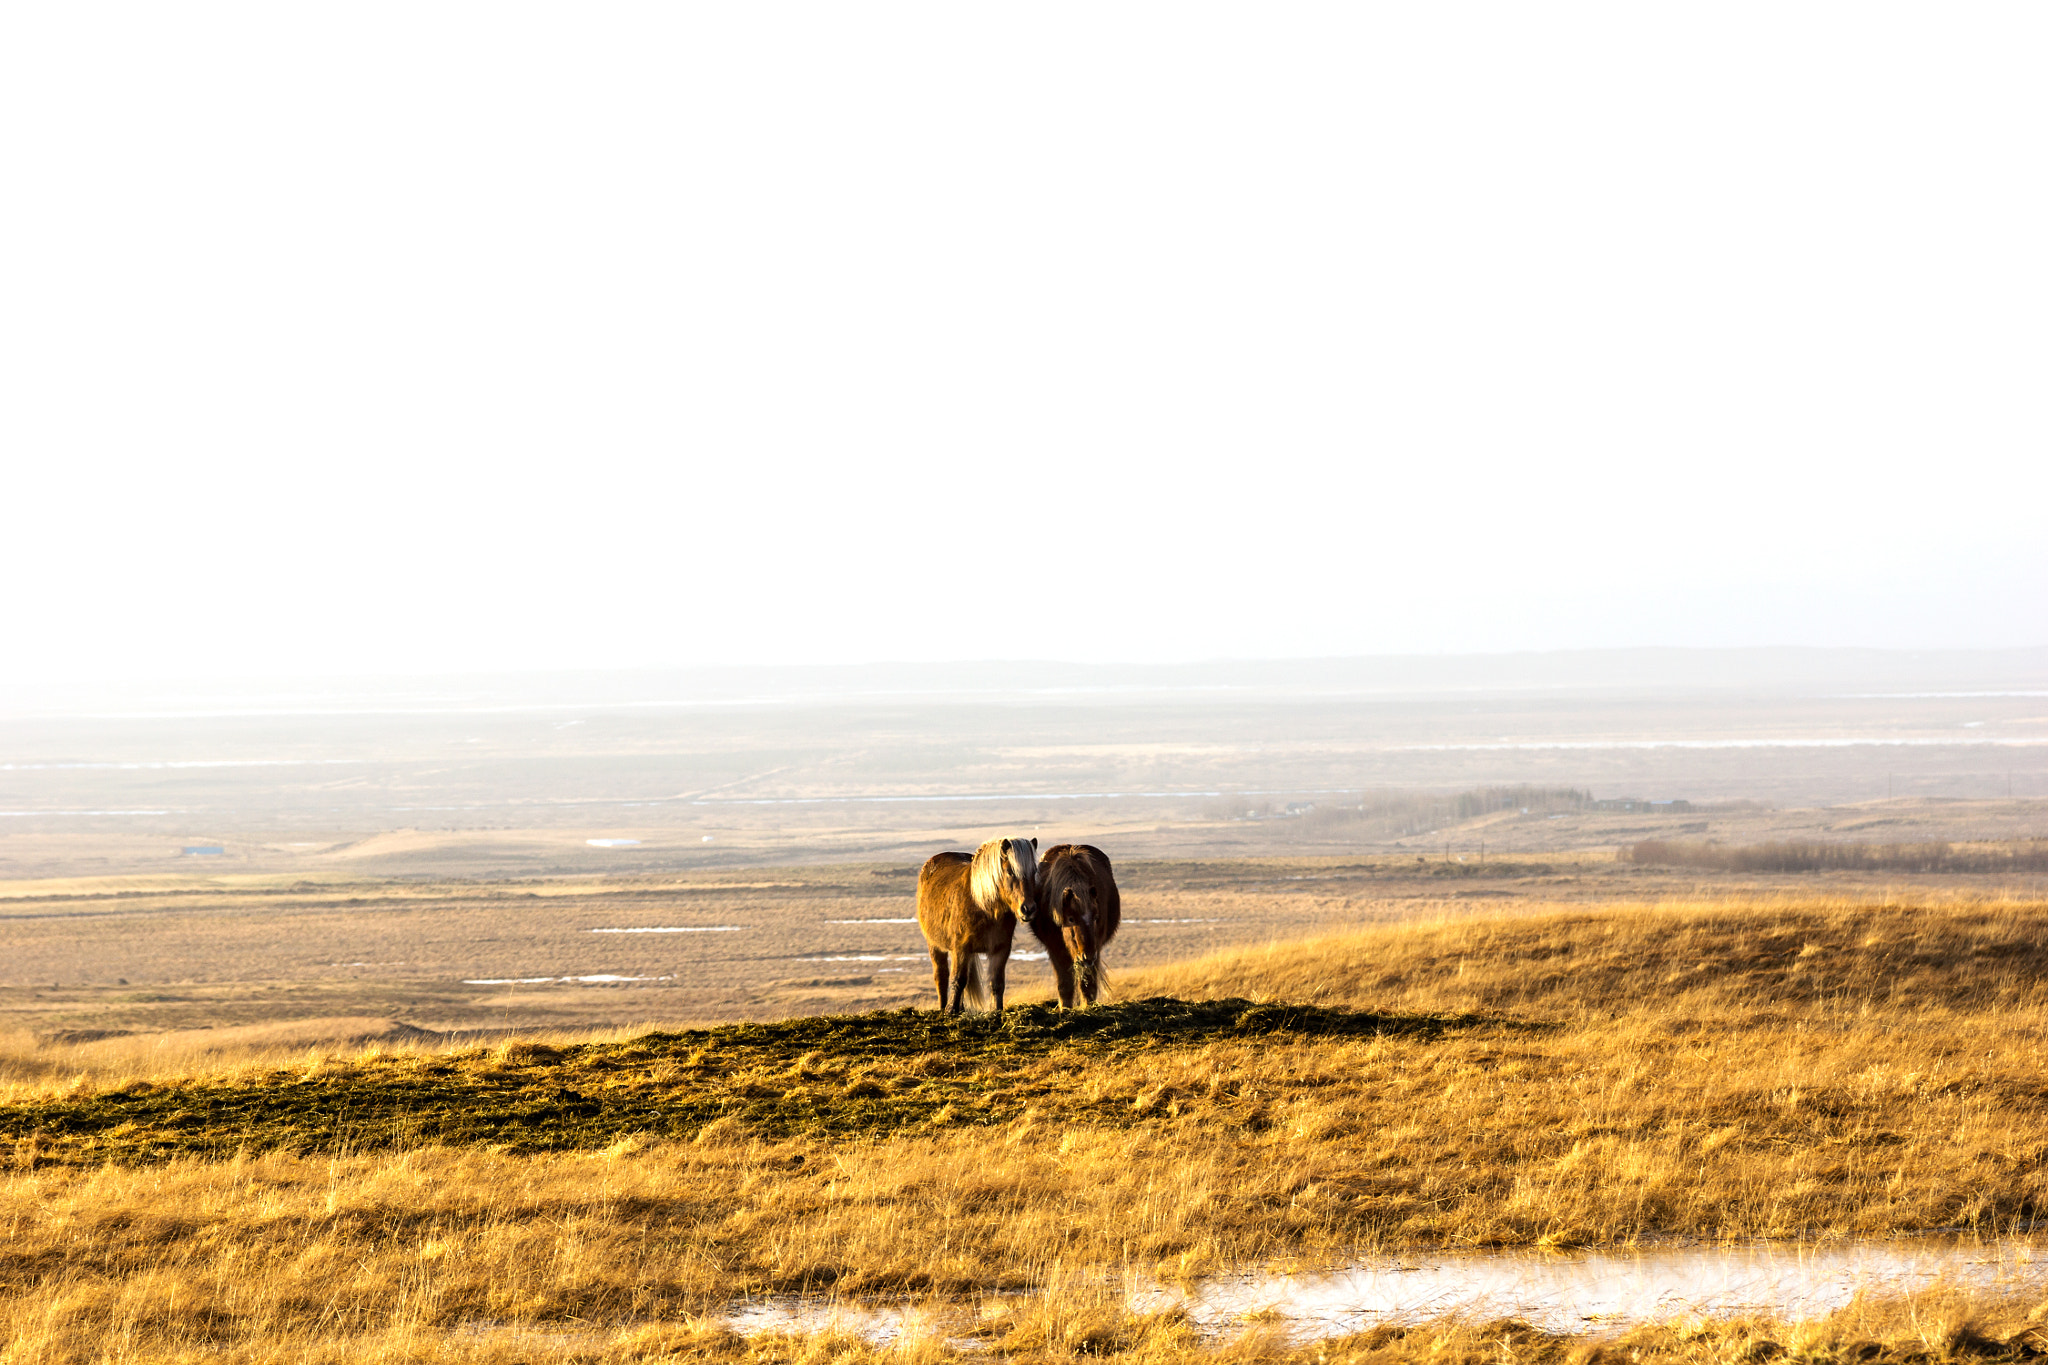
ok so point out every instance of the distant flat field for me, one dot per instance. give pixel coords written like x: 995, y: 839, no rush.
x: 653, y: 843
x: 516, y: 786
x: 707, y: 946
x: 337, y: 957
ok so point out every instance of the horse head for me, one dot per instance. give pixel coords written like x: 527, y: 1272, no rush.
x: 1079, y: 922
x: 1005, y: 877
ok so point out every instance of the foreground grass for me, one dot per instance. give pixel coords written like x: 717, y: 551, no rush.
x: 1807, y: 1068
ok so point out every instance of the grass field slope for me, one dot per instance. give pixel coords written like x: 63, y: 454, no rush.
x: 1801, y: 1068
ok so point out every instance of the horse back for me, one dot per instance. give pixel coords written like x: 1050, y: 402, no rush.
x: 942, y: 898
x: 1080, y: 865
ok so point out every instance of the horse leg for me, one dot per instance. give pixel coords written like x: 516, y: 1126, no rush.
x: 963, y: 967
x: 939, y: 974
x: 998, y: 963
x: 1062, y: 969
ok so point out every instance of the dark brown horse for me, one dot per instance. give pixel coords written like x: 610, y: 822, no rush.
x: 1082, y: 910
x: 968, y: 906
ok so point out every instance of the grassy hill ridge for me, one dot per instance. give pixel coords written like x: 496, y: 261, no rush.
x: 870, y: 1075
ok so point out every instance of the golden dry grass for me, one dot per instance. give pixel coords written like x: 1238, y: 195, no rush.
x: 1809, y: 1067
x: 31, y: 1068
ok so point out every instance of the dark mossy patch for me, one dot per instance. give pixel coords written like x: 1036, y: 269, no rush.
x: 1157, y: 1019
x: 832, y: 1076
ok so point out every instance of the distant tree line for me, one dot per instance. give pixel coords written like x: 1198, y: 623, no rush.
x: 1819, y: 856
x: 1537, y: 800
x: 1398, y: 813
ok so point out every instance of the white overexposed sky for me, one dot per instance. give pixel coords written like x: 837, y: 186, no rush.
x: 419, y: 337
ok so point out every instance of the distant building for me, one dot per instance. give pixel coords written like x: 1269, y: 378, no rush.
x: 204, y: 850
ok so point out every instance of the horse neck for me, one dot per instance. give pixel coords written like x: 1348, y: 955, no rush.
x: 985, y: 884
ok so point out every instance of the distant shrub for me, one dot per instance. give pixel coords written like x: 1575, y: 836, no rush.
x: 1821, y: 856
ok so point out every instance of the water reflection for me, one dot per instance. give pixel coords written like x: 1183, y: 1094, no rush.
x: 1582, y: 1293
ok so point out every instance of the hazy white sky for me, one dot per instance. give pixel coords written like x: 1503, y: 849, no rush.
x: 425, y: 337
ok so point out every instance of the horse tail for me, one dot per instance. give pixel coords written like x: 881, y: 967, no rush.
x: 977, y: 995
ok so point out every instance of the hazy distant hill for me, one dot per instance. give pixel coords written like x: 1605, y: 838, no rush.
x: 1781, y: 671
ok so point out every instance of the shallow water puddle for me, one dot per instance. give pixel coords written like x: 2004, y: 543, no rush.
x: 1585, y: 1293
x: 1608, y: 1290
x: 879, y: 1325
x: 601, y: 979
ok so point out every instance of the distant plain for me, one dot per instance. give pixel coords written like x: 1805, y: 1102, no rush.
x: 450, y: 855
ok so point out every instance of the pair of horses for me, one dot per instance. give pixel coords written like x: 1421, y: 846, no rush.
x: 968, y: 906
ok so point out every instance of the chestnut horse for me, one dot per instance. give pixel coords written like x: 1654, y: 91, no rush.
x: 1079, y: 918
x: 968, y: 906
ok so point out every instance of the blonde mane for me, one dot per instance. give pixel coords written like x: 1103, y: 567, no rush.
x: 985, y: 877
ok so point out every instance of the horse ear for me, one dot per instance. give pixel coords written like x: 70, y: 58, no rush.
x: 1006, y: 845
x: 1034, y: 844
